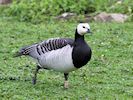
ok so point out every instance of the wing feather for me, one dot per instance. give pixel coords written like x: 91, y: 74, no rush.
x: 45, y: 46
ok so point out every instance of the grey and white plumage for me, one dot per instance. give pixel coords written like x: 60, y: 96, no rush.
x: 60, y: 54
x: 50, y: 54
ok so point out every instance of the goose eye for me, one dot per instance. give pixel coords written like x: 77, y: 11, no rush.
x: 83, y: 26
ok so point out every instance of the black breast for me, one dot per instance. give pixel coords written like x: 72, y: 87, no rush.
x: 81, y: 54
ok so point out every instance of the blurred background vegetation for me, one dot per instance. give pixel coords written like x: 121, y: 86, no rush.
x: 36, y: 11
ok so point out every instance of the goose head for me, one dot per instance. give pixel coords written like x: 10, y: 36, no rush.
x: 83, y: 28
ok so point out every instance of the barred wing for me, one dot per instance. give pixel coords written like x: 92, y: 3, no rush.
x: 46, y: 46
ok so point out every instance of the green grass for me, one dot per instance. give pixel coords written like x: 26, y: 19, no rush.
x: 108, y: 76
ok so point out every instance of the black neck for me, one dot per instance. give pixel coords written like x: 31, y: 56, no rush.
x: 78, y: 36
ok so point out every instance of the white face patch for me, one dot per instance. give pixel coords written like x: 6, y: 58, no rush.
x: 83, y: 28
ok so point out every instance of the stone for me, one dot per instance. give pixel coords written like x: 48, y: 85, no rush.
x: 5, y: 1
x: 111, y: 17
x: 66, y: 15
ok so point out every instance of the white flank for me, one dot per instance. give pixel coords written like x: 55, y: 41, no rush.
x: 58, y: 60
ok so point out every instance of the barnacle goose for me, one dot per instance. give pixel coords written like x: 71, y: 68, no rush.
x: 60, y: 54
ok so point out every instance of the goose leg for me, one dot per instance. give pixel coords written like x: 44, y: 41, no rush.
x: 66, y: 80
x: 35, y: 74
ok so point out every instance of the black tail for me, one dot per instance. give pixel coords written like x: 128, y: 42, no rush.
x: 17, y: 54
x: 22, y: 51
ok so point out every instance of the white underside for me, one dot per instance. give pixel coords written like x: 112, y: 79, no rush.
x: 58, y: 60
